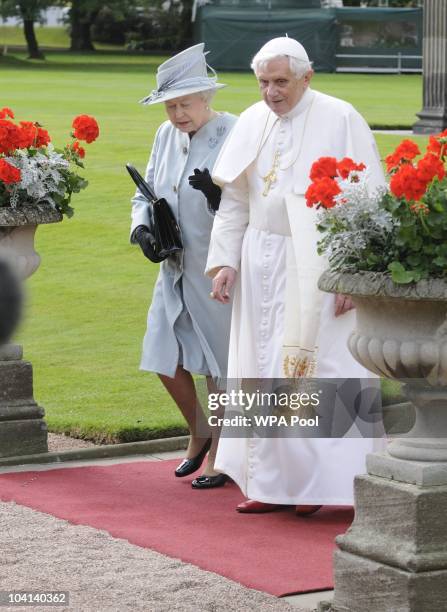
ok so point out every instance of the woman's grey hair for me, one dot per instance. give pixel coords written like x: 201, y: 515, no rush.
x: 298, y: 67
x: 207, y: 95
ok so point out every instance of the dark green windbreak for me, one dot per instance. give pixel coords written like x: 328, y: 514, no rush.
x: 234, y: 31
x: 234, y: 35
x: 270, y: 4
x: 379, y: 31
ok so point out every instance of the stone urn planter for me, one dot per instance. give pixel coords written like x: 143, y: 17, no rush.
x: 401, y: 333
x: 394, y: 556
x: 22, y: 428
x: 17, y: 229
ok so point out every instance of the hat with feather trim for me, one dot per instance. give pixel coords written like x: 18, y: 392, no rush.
x: 184, y: 74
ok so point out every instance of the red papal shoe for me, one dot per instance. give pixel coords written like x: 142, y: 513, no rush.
x: 250, y: 506
x: 306, y: 510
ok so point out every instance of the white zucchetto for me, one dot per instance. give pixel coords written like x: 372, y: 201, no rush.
x: 284, y: 46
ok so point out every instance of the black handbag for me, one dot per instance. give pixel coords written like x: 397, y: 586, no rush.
x: 164, y: 226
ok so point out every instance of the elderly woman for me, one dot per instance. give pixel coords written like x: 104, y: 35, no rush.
x: 187, y: 332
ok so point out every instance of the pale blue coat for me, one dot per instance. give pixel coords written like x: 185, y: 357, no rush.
x: 184, y: 326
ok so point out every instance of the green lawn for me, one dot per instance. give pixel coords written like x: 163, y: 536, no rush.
x: 87, y: 304
x: 47, y: 37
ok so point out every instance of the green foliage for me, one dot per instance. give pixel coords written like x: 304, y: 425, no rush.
x: 73, y: 183
x: 51, y: 183
x: 24, y: 9
x: 160, y: 25
x: 356, y: 231
x: 421, y: 238
x: 400, y: 275
x: 111, y: 25
x: 142, y: 24
x: 406, y: 238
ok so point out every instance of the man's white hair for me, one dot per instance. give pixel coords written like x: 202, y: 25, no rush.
x: 297, y: 66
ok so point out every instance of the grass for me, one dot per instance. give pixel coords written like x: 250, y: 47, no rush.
x: 87, y: 304
x: 134, y: 75
x: 47, y: 37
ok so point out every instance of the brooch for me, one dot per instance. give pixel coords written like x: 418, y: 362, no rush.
x: 221, y: 131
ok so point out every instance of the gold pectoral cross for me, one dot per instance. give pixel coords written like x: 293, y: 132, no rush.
x: 271, y: 176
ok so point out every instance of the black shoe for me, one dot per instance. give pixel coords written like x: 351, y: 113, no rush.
x: 188, y: 466
x: 209, y: 482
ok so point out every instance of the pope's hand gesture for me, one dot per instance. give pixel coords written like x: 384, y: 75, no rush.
x: 222, y: 284
x: 343, y: 303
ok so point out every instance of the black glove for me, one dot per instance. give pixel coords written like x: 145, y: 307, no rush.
x: 146, y: 241
x: 204, y: 183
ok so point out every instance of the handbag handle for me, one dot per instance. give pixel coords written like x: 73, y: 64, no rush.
x: 142, y: 185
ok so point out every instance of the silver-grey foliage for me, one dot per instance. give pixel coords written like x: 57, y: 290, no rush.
x: 357, y: 232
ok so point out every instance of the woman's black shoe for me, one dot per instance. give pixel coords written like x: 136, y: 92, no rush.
x: 209, y: 482
x: 188, y: 466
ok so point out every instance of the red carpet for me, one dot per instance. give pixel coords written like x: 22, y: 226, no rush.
x: 144, y: 503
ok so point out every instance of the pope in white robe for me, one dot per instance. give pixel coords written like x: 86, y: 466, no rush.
x: 263, y: 246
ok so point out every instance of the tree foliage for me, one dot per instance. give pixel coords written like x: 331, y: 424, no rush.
x: 161, y: 25
x: 29, y: 11
x: 141, y: 24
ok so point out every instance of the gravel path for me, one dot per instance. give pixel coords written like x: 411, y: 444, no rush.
x: 102, y: 573
x: 58, y: 442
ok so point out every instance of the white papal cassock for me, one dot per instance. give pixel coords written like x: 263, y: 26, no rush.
x: 256, y: 235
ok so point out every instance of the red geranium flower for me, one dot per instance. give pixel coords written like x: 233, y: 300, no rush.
x: 31, y: 135
x: 392, y: 162
x: 28, y: 134
x: 9, y: 136
x: 78, y: 149
x: 407, y: 183
x: 405, y: 152
x: 430, y: 166
x: 43, y: 138
x: 6, y: 112
x: 436, y: 147
x: 323, y: 167
x: 312, y: 196
x: 9, y: 173
x: 322, y: 192
x: 85, y: 128
x: 347, y: 165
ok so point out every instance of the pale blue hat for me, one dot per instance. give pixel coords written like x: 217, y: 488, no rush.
x: 184, y: 74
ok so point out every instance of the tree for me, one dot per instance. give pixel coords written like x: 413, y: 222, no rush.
x: 162, y: 25
x: 29, y: 11
x: 167, y: 20
x: 183, y: 10
x: 81, y: 16
x: 178, y: 15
